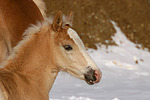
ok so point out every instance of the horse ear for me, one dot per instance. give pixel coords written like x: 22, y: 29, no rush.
x: 68, y: 20
x: 70, y: 17
x: 57, y: 23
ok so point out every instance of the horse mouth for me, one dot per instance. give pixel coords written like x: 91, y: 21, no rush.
x: 90, y: 82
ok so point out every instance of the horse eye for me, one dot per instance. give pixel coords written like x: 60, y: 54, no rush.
x: 68, y: 47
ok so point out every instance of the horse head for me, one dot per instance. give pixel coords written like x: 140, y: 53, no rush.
x: 70, y: 53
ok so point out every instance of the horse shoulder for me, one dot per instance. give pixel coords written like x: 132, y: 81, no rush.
x: 14, y: 21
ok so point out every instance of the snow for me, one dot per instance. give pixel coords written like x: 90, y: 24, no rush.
x: 126, y: 74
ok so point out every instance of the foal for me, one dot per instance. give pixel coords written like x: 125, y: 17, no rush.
x: 29, y: 73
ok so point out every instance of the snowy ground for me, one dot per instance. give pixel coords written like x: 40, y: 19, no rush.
x: 126, y: 75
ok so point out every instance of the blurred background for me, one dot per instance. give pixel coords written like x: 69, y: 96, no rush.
x: 92, y: 19
x: 117, y: 35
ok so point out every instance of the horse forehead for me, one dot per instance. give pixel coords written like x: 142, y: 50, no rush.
x: 75, y: 37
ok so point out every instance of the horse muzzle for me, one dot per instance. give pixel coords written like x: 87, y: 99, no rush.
x: 92, y: 76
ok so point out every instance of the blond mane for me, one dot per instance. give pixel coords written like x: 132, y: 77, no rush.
x: 27, y: 35
x: 41, y: 5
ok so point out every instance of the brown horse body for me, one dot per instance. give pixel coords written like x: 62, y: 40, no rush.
x: 29, y: 73
x: 15, y: 17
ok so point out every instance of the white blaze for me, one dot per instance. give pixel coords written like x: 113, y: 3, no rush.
x: 75, y: 37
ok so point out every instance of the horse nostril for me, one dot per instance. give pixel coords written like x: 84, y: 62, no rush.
x: 89, y: 67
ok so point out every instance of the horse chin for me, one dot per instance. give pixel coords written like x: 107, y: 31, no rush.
x: 90, y: 82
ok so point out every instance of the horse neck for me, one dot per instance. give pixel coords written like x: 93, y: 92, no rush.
x: 34, y: 60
